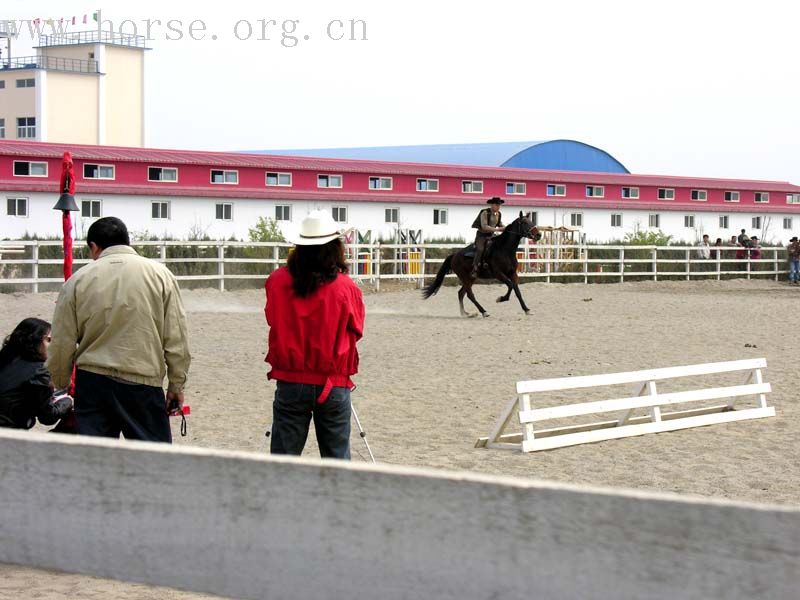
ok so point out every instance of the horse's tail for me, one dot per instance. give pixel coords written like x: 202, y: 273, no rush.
x: 433, y: 287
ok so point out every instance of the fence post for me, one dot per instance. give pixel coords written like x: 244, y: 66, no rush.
x: 221, y: 265
x: 276, y: 255
x: 688, y: 265
x: 747, y: 256
x: 547, y: 269
x: 655, y: 263
x: 775, y: 262
x: 35, y: 273
x: 423, y: 257
x: 378, y: 268
x: 622, y: 264
x: 585, y: 264
x: 719, y: 264
x: 162, y: 251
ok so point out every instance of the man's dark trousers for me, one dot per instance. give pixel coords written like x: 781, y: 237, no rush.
x: 106, y: 407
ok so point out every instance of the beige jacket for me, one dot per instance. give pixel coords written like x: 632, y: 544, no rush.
x: 121, y: 316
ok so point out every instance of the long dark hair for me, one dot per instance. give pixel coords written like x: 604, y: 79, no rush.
x: 312, y: 266
x: 25, y: 341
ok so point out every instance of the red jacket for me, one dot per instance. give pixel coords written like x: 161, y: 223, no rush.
x: 313, y: 339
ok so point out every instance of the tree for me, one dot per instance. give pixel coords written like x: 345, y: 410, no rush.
x: 265, y: 230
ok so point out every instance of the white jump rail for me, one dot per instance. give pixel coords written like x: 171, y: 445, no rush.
x: 624, y: 425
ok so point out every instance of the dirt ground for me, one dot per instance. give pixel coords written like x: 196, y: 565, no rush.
x: 432, y: 382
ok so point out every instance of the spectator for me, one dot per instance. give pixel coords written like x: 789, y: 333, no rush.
x: 120, y: 320
x: 716, y: 253
x: 755, y: 248
x: 26, y: 393
x: 704, y: 251
x: 793, y: 255
x: 743, y: 240
x: 315, y: 314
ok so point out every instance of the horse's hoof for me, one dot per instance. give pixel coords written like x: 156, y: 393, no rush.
x: 484, y: 314
x: 528, y: 313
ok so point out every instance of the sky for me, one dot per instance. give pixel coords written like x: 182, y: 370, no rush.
x: 694, y: 88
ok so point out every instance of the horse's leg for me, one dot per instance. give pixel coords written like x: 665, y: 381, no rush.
x: 471, y: 296
x: 511, y: 282
x: 507, y: 295
x: 461, y: 293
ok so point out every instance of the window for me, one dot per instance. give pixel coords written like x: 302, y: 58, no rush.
x: 576, y: 219
x: 26, y: 127
x: 160, y: 210
x: 533, y: 217
x: 731, y: 196
x: 427, y: 185
x: 787, y: 222
x: 283, y: 212
x: 225, y: 211
x: 723, y: 222
x: 630, y: 192
x: 329, y: 181
x: 616, y: 220
x: 339, y: 214
x: 98, y: 171
x: 595, y: 191
x: 2, y: 128
x: 162, y: 174
x: 666, y: 194
x: 392, y: 215
x: 762, y: 197
x: 17, y: 207
x: 472, y: 187
x: 279, y: 179
x: 26, y: 83
x: 90, y: 209
x: 654, y: 220
x: 701, y: 195
x: 688, y: 221
x: 380, y: 183
x: 2, y: 84
x: 556, y: 190
x: 30, y: 169
x: 221, y: 177
x: 756, y: 222
x: 792, y: 198
x: 440, y: 216
x: 515, y: 188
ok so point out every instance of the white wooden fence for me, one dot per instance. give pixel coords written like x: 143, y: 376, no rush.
x: 624, y: 425
x: 22, y: 263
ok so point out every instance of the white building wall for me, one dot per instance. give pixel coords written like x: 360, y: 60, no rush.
x: 197, y: 217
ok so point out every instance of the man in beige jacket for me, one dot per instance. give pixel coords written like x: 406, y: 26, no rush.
x: 120, y: 321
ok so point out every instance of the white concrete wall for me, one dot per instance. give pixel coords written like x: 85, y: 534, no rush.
x: 198, y: 215
x: 250, y: 526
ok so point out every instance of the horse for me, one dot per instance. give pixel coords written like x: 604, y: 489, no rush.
x: 499, y: 262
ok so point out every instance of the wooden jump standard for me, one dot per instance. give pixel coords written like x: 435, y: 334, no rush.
x: 624, y: 425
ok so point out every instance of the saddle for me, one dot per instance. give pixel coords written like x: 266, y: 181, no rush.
x: 469, y: 251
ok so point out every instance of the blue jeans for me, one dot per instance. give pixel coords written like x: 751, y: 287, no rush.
x: 295, y: 404
x: 794, y: 269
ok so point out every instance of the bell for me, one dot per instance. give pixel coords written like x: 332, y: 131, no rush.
x: 66, y: 202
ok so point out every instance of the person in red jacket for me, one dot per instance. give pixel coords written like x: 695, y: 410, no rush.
x: 315, y: 314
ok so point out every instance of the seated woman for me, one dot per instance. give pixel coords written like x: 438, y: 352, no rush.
x: 25, y: 389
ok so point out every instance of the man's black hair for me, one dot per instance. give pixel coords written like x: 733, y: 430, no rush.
x: 107, y: 232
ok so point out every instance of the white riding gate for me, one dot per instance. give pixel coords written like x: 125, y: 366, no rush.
x: 624, y: 425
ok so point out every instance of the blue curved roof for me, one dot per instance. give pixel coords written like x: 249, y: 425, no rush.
x: 553, y: 155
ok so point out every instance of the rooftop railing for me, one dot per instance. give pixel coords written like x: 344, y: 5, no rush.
x: 51, y: 63
x: 92, y: 37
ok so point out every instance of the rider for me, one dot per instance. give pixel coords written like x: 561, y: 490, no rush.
x: 488, y: 221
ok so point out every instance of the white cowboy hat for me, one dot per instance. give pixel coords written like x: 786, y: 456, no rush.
x: 316, y: 229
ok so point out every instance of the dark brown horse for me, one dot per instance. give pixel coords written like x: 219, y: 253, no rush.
x: 499, y: 262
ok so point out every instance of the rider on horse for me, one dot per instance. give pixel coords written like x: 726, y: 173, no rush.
x: 488, y: 221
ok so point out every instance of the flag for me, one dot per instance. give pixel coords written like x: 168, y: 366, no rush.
x: 84, y: 19
x: 73, y: 20
x: 94, y: 16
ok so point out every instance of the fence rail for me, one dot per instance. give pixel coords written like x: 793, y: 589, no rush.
x: 35, y: 265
